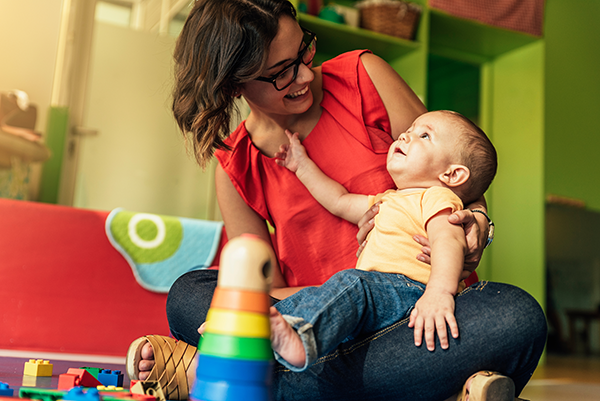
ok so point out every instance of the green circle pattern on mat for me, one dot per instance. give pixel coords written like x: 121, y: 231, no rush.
x: 149, y: 238
x: 235, y: 347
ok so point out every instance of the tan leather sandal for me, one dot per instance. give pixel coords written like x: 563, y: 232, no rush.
x: 488, y: 386
x: 172, y: 359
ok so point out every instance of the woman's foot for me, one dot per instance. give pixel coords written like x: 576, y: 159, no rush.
x: 147, y: 362
x: 285, y: 341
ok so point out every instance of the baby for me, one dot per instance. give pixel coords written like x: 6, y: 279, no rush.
x: 440, y: 163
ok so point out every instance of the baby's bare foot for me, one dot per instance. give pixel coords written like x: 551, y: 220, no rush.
x: 147, y: 362
x: 285, y: 341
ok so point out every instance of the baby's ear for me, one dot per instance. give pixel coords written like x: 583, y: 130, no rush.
x: 456, y: 175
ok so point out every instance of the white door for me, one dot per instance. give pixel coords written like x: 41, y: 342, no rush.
x: 138, y: 159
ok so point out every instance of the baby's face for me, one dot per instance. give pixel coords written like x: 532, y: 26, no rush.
x: 426, y: 150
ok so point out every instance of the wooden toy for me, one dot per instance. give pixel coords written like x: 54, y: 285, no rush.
x: 246, y: 265
x: 236, y: 359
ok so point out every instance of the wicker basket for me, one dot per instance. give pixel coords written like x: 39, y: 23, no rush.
x: 391, y: 17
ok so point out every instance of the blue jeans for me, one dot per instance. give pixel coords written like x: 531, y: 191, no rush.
x: 502, y: 328
x: 352, y: 302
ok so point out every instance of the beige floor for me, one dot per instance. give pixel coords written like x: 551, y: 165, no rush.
x: 565, y: 378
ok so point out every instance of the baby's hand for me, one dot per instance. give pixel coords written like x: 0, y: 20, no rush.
x: 291, y: 155
x: 430, y: 315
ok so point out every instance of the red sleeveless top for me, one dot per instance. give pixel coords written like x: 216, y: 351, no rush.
x: 349, y: 143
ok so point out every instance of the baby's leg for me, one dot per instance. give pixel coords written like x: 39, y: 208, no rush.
x: 285, y: 341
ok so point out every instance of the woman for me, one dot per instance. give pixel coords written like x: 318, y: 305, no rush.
x: 347, y: 113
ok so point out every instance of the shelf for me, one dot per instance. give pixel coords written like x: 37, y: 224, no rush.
x: 470, y: 40
x: 334, y: 39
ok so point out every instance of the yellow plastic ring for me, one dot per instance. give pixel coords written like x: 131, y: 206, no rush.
x: 238, y: 323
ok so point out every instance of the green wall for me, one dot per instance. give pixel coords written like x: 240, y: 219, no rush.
x: 516, y: 85
x: 572, y: 116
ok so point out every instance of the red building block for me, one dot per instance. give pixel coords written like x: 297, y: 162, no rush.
x: 77, y: 377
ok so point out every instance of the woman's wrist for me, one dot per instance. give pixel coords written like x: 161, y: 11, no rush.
x: 491, y: 225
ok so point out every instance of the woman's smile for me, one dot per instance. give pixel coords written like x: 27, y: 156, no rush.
x: 301, y: 92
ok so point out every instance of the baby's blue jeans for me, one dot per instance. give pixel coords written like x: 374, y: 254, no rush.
x: 350, y: 303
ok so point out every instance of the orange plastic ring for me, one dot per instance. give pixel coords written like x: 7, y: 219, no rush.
x: 248, y: 301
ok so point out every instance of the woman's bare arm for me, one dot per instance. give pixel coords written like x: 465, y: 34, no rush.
x: 240, y: 219
x: 403, y: 106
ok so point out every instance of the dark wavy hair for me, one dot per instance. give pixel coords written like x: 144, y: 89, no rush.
x: 478, y: 154
x: 223, y: 44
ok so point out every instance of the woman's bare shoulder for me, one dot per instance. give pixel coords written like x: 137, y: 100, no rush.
x: 401, y: 103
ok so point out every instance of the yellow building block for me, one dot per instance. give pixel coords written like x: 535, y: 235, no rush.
x: 38, y: 367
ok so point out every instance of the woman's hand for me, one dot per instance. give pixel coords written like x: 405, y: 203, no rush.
x: 476, y: 233
x: 365, y: 225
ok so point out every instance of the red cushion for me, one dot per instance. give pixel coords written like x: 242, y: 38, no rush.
x: 65, y: 288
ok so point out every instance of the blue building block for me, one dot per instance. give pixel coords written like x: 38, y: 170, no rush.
x: 5, y: 390
x: 77, y: 394
x: 111, y: 377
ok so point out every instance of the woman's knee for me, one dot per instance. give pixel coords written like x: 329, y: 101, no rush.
x: 188, y: 303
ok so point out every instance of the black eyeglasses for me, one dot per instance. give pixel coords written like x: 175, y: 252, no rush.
x: 285, y: 78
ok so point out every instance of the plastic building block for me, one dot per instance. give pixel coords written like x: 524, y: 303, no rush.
x: 111, y: 389
x: 77, y: 377
x: 67, y: 381
x: 236, y: 359
x: 41, y: 394
x: 77, y: 394
x: 148, y: 387
x: 111, y: 377
x: 5, y: 390
x: 93, y: 371
x: 38, y: 367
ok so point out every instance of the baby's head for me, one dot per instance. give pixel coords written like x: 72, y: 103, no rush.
x: 444, y: 148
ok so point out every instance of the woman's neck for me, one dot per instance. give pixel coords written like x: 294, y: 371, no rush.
x: 268, y: 132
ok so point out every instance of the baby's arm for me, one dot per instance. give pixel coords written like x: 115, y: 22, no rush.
x: 329, y: 193
x: 436, y: 307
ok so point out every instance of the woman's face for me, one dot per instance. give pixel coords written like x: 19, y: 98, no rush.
x: 296, y: 98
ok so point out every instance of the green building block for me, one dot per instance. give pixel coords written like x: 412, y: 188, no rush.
x: 41, y: 394
x: 93, y: 371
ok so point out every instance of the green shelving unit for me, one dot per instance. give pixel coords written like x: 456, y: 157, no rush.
x: 470, y: 40
x: 334, y: 38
